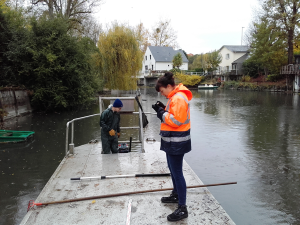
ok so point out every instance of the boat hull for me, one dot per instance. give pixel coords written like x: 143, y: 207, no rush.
x: 12, y: 136
x: 207, y: 88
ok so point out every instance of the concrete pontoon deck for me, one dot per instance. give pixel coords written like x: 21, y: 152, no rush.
x: 87, y: 161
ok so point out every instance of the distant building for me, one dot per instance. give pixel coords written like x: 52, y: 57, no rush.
x: 237, y: 67
x: 233, y: 57
x: 160, y: 58
x: 190, y: 54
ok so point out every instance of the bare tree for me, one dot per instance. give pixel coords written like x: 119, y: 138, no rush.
x: 74, y: 10
x: 163, y: 34
x: 89, y: 28
x: 142, y: 36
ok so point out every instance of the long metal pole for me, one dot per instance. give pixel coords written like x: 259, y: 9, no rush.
x: 123, y: 176
x: 31, y: 204
x: 242, y: 36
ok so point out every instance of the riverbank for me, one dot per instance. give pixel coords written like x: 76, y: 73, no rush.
x: 257, y: 86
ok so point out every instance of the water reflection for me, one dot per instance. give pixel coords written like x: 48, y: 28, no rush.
x: 249, y: 137
x: 255, y: 142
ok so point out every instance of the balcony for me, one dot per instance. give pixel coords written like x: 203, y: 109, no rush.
x: 293, y: 69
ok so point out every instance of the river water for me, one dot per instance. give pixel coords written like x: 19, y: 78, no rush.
x: 249, y: 137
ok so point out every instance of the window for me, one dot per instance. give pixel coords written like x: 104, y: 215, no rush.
x: 227, y: 68
x: 152, y: 67
x: 150, y: 56
x: 227, y: 56
x: 146, y: 67
x: 168, y: 65
x: 146, y: 57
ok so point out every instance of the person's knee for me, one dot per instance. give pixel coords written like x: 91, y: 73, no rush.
x: 114, y: 150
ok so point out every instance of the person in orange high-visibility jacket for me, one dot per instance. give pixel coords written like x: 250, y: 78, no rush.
x: 175, y: 137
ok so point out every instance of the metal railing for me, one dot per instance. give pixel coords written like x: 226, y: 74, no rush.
x: 195, y: 73
x: 290, y: 69
x: 70, y: 147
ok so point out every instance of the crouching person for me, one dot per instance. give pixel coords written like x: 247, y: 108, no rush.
x: 110, y: 123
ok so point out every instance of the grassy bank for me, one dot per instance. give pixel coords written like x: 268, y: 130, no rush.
x: 257, y: 86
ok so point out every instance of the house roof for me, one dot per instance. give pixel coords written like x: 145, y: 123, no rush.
x: 236, y: 48
x: 241, y: 59
x: 165, y: 54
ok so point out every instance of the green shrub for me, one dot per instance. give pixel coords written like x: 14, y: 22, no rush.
x: 274, y: 77
x: 230, y: 84
x: 198, y: 70
x: 246, y: 78
x: 59, y: 70
x: 188, y: 80
x: 252, y: 68
x: 175, y: 70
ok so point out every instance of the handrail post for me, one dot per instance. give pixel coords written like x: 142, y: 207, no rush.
x: 72, y: 132
x: 100, y: 105
x: 67, y: 137
x: 141, y: 127
x: 71, y: 145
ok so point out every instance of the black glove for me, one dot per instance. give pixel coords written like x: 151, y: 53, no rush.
x: 160, y: 113
x: 160, y: 104
x: 155, y: 107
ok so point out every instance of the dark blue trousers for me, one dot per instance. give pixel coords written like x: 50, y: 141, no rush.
x: 175, y: 166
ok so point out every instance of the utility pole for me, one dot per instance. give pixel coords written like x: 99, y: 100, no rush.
x: 242, y: 36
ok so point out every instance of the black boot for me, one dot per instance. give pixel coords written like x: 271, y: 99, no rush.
x: 173, y: 198
x: 179, y: 214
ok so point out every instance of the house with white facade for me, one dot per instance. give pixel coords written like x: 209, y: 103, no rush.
x: 230, y: 55
x: 160, y: 58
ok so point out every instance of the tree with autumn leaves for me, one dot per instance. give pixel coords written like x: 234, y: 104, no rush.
x: 120, y: 58
x: 274, y: 35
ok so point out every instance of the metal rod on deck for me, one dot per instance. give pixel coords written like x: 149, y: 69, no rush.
x: 32, y: 203
x: 123, y: 176
x: 113, y: 98
x: 129, y: 128
x: 145, y: 113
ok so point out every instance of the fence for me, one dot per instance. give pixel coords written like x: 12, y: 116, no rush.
x: 290, y: 69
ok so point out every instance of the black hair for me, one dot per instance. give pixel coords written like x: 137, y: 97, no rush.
x: 164, y: 81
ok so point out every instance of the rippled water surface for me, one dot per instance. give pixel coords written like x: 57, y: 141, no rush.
x: 249, y: 137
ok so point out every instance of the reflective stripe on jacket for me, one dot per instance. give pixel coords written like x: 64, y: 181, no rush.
x: 175, y: 128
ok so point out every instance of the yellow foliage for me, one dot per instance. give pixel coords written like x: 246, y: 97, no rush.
x: 246, y: 78
x: 188, y: 80
x: 297, y: 48
x: 3, y: 5
x: 119, y: 59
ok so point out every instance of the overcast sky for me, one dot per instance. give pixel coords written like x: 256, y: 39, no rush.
x: 201, y: 26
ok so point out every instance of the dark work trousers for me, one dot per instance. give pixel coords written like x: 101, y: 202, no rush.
x: 179, y: 186
x: 109, y: 143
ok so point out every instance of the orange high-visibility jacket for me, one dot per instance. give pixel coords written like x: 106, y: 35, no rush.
x: 175, y: 127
